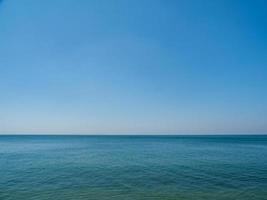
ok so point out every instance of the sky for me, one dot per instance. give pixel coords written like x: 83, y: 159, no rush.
x: 133, y: 67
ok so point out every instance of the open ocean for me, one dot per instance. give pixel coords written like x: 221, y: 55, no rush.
x: 133, y: 167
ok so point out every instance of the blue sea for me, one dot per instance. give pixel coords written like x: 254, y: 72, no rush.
x: 133, y: 167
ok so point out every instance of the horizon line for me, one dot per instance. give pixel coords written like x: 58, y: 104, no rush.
x: 133, y: 134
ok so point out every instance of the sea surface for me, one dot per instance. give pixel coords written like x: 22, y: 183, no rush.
x: 133, y: 167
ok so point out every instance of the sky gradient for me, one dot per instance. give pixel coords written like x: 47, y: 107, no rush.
x: 160, y: 66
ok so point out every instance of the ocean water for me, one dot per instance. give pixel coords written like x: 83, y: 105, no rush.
x: 133, y: 167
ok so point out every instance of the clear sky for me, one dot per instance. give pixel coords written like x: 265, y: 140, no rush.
x: 139, y: 66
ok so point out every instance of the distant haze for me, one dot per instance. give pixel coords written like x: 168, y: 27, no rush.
x: 133, y: 67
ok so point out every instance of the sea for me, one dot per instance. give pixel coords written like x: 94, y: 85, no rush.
x: 222, y: 167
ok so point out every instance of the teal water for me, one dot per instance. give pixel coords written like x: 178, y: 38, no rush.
x: 133, y: 167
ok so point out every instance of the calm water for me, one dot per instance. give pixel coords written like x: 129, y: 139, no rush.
x: 133, y: 167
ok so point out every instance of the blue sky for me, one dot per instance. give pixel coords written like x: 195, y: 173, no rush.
x: 133, y: 66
